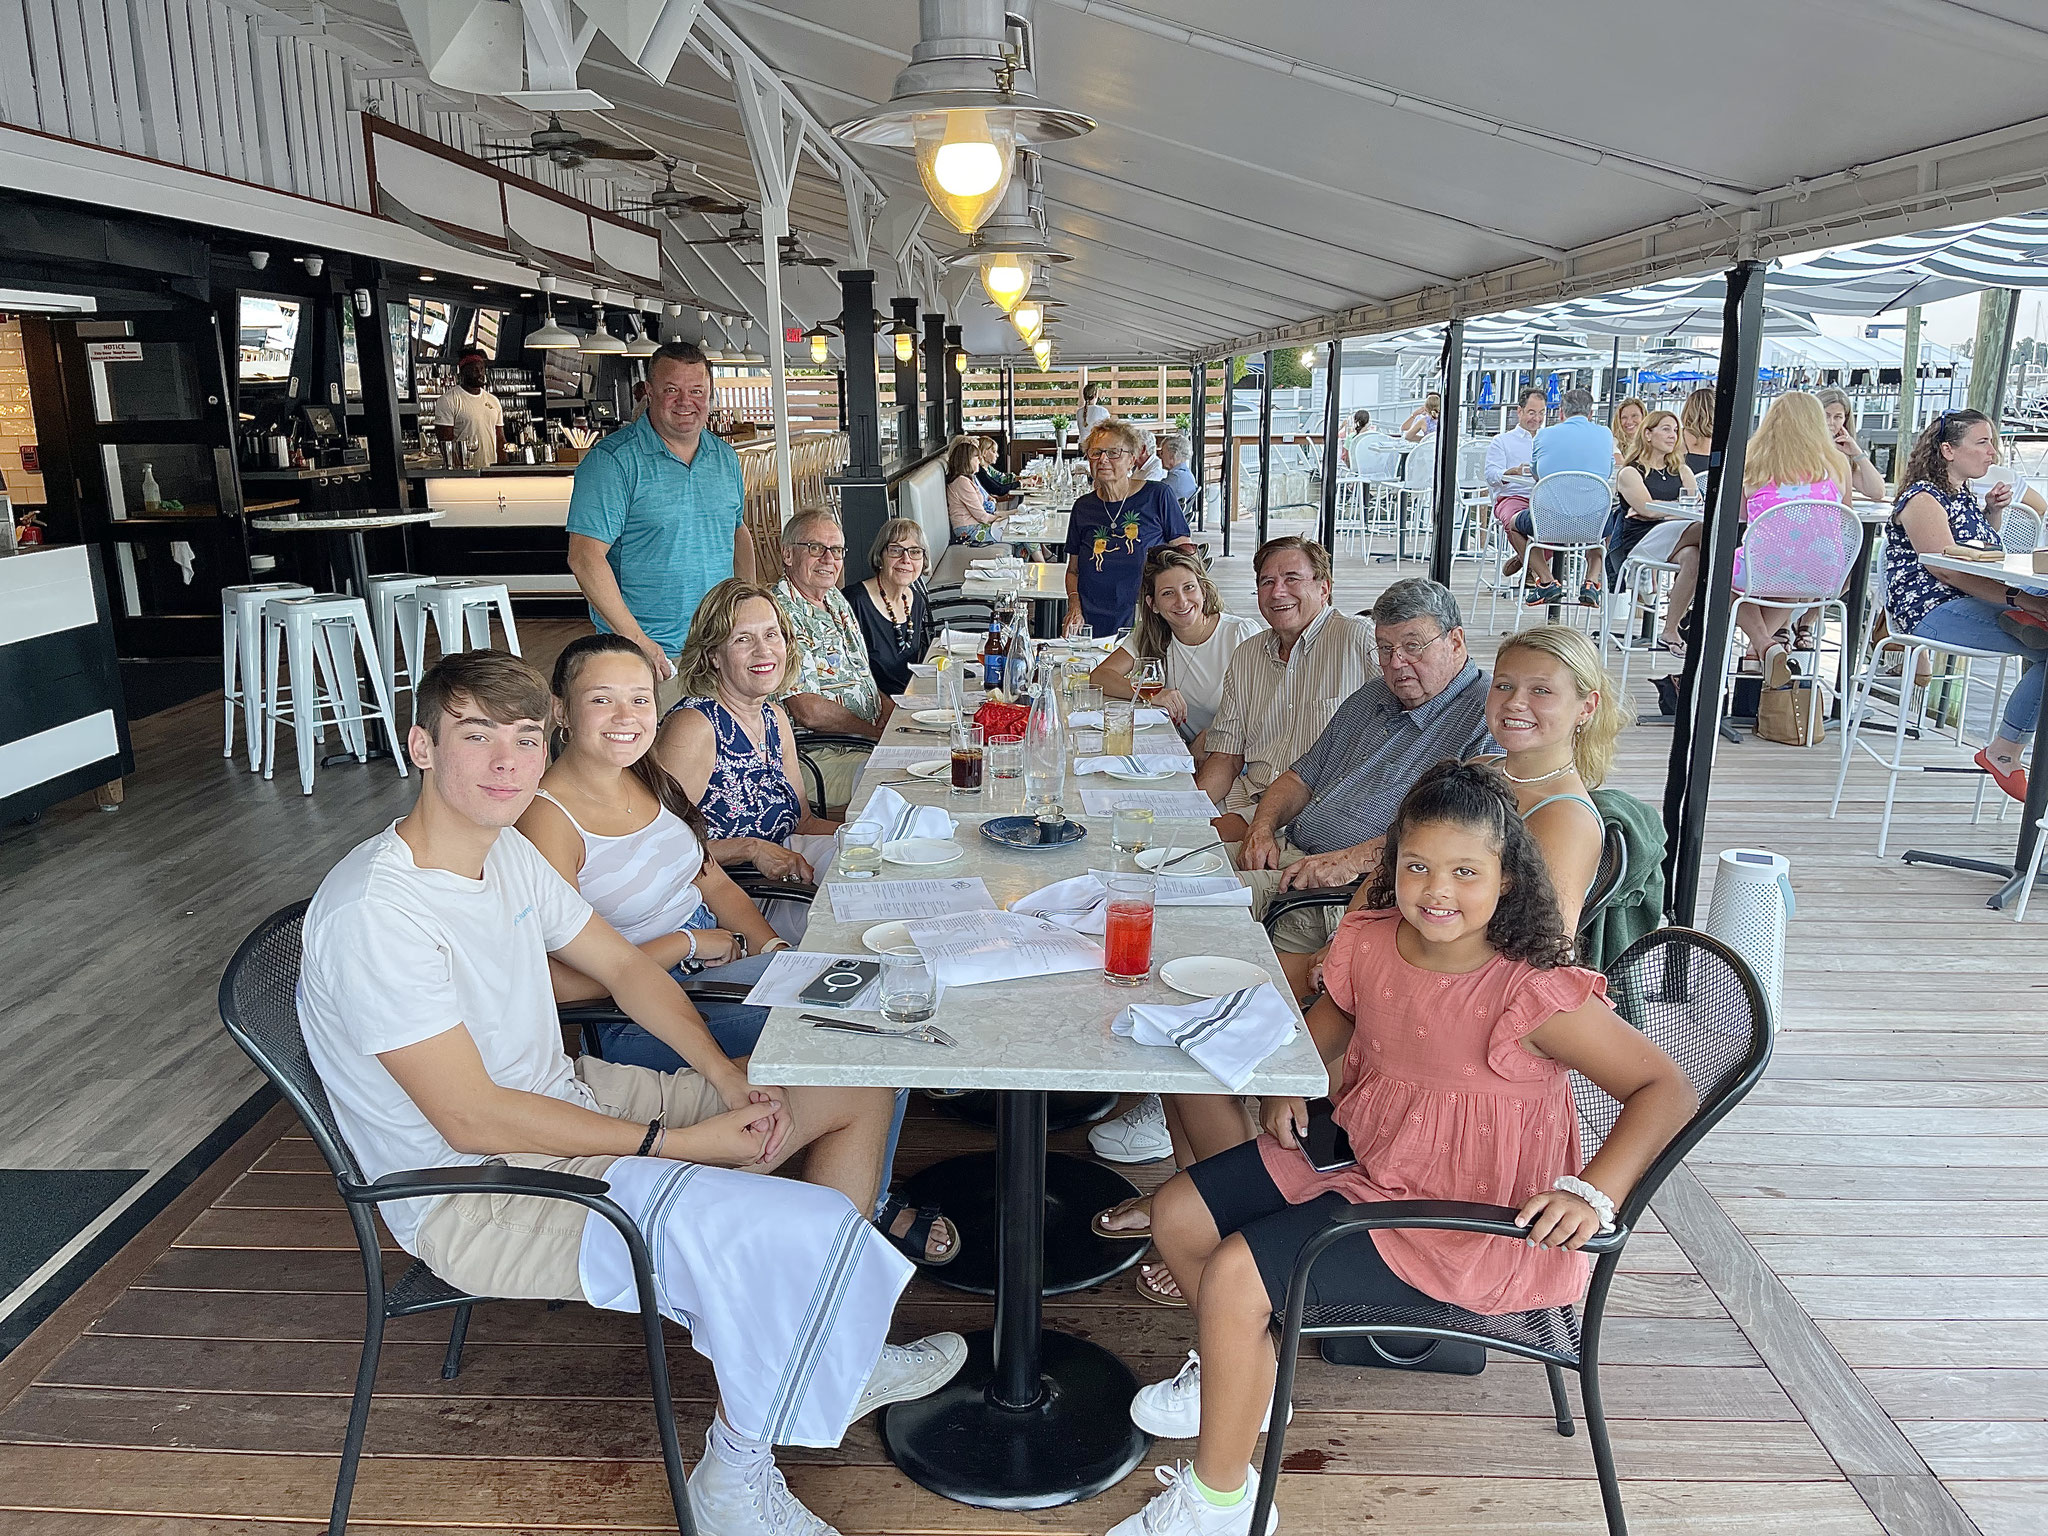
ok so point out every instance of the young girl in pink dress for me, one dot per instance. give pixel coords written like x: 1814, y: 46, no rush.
x: 1450, y: 1026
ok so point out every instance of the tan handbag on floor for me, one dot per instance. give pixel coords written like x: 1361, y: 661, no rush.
x: 1796, y: 714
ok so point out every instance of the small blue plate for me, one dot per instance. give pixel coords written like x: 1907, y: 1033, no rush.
x: 1026, y: 832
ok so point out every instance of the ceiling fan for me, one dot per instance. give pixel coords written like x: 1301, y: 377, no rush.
x: 568, y: 148
x: 671, y: 200
x: 790, y: 253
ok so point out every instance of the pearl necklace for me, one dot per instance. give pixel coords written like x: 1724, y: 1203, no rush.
x: 1541, y: 778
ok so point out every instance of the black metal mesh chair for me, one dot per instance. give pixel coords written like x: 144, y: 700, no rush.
x: 257, y: 1005
x: 1696, y: 999
x: 807, y: 742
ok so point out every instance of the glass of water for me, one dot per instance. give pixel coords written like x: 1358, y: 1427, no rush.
x: 910, y: 992
x: 860, y: 850
x: 1131, y: 830
x: 1005, y: 758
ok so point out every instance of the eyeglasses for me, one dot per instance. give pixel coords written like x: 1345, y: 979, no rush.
x: 821, y: 551
x: 897, y: 551
x: 1410, y: 652
x: 1109, y: 453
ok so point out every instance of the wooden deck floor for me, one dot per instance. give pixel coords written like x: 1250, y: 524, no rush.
x: 1841, y: 1324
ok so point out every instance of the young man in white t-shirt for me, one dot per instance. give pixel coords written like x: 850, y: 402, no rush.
x: 426, y: 1008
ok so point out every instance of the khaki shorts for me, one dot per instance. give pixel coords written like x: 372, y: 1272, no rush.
x: 522, y: 1246
x: 1297, y: 933
x: 841, y: 768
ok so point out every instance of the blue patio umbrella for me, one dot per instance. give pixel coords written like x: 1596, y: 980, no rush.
x: 1485, y: 397
x: 1552, y: 391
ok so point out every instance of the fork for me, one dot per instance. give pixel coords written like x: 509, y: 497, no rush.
x: 929, y: 1034
x: 1182, y: 857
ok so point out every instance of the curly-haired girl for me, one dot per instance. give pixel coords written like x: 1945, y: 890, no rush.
x: 1451, y: 1025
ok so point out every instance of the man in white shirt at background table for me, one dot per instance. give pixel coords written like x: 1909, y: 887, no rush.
x: 470, y: 415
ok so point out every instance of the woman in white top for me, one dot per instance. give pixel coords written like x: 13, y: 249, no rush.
x: 1092, y: 413
x: 624, y: 832
x: 1181, y: 622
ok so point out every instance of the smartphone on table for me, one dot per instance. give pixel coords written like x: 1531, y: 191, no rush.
x: 841, y: 984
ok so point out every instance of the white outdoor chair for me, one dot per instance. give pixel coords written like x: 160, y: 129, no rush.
x: 2021, y: 532
x: 1641, y: 587
x: 1908, y: 716
x: 2019, y: 911
x: 1568, y: 510
x: 1418, y: 488
x: 1798, y: 555
x: 1350, y: 519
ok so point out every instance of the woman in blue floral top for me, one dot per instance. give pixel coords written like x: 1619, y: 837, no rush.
x: 1938, y: 509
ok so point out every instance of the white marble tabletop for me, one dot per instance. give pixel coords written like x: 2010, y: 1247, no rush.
x: 293, y: 523
x: 1050, y: 1032
x: 2015, y: 570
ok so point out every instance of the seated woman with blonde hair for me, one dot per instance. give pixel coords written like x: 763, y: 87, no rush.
x: 1181, y: 625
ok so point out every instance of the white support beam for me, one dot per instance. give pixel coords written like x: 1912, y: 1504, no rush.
x: 774, y: 148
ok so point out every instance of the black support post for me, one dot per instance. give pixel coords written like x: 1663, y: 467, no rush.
x: 1614, y: 381
x: 1229, y: 448
x: 909, y: 421
x: 1265, y: 442
x: 935, y: 380
x: 1198, y: 380
x: 1449, y: 423
x: 863, y: 493
x: 1010, y: 410
x: 1697, y: 727
x: 1333, y: 416
x: 956, y: 382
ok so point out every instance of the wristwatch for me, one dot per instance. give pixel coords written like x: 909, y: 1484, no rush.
x: 739, y: 947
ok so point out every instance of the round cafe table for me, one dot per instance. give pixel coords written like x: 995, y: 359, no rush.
x: 1036, y: 1417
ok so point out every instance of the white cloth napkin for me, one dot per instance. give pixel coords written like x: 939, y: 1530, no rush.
x: 1228, y: 1036
x: 1145, y: 718
x: 1082, y: 903
x: 1142, y: 762
x: 996, y: 563
x: 899, y: 818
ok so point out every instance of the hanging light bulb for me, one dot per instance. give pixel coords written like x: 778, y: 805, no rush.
x: 551, y: 337
x: 1308, y: 357
x: 1005, y: 278
x: 601, y: 342
x: 821, y: 344
x: 1042, y: 350
x: 964, y: 156
x: 1029, y: 318
x: 960, y: 361
x: 906, y: 341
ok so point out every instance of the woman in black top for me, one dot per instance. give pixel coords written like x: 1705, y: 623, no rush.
x: 1656, y: 471
x: 895, y: 620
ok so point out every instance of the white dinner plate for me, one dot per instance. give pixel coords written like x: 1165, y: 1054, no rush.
x: 884, y: 937
x: 934, y: 768
x: 1210, y: 975
x: 921, y: 850
x: 933, y: 717
x: 1139, y: 778
x: 1205, y: 863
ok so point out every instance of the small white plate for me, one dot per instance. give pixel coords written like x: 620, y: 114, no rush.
x: 921, y: 850
x: 884, y: 937
x: 1210, y: 975
x: 1140, y: 778
x: 933, y: 717
x: 1205, y: 863
x: 937, y: 767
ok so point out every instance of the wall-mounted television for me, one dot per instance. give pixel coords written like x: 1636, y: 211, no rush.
x: 266, y: 339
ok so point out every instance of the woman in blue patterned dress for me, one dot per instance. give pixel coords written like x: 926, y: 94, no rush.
x: 1937, y: 509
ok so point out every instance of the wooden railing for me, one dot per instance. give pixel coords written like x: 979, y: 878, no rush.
x: 812, y: 459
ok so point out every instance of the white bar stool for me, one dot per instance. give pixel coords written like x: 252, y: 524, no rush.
x: 320, y: 635
x: 393, y: 636
x: 241, y: 659
x: 458, y: 606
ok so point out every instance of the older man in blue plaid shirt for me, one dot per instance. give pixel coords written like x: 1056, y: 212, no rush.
x: 1324, y: 821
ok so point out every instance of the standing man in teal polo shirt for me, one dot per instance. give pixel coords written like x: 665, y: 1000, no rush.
x: 656, y: 518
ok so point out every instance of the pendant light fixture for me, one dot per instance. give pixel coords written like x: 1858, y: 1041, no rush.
x: 1029, y: 317
x: 1008, y: 248
x: 747, y: 354
x: 1042, y: 350
x: 643, y: 344
x: 551, y: 337
x: 967, y: 99
x: 601, y: 342
x: 905, y: 335
x: 821, y: 344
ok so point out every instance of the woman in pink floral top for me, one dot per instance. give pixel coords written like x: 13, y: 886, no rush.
x: 1451, y: 1025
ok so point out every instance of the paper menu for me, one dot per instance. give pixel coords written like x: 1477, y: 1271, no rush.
x: 1189, y: 803
x: 973, y: 947
x: 789, y: 971
x: 880, y: 900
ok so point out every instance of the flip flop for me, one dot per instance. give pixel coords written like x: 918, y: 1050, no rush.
x: 1149, y: 1289
x: 1670, y: 647
x: 915, y: 1242
x: 1098, y: 1222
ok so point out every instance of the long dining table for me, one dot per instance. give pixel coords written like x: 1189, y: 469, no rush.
x: 1037, y: 1417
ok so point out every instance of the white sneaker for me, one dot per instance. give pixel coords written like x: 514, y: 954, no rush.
x: 1138, y: 1135
x: 906, y: 1372
x: 1182, y: 1511
x: 755, y: 1502
x: 1172, y: 1410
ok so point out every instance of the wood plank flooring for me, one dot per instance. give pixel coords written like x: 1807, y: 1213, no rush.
x: 1864, y: 1240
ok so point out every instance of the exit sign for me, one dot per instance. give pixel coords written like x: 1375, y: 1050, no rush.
x: 792, y: 333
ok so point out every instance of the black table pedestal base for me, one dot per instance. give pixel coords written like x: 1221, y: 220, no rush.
x: 1077, y: 1441
x: 966, y: 1187
x: 1063, y: 1111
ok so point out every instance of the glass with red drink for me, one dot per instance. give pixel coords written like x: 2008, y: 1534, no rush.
x: 1127, y: 940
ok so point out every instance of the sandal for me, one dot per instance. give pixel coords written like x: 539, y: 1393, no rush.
x: 1149, y: 1278
x: 914, y: 1243
x: 2012, y: 780
x: 1099, y: 1222
x: 1674, y: 646
x: 1803, y: 639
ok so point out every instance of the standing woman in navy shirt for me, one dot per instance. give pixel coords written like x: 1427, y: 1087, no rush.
x: 1114, y: 527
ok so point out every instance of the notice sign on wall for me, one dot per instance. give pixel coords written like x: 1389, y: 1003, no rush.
x: 113, y: 351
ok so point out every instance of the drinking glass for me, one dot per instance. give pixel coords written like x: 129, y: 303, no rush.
x: 1151, y: 679
x: 1119, y: 720
x: 1003, y: 758
x: 1127, y: 938
x: 1087, y: 696
x: 909, y: 990
x: 967, y: 759
x: 860, y: 850
x: 1131, y: 830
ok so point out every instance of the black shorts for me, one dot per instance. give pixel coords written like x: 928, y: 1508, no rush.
x: 1242, y: 1198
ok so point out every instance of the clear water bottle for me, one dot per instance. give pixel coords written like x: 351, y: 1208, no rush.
x: 1017, y: 654
x: 1045, y: 748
